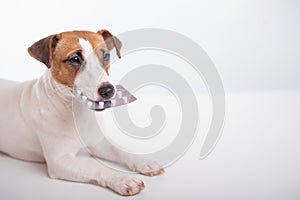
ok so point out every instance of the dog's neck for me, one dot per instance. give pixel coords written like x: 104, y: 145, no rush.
x: 53, y: 89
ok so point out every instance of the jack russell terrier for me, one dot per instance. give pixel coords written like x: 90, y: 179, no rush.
x: 36, y: 120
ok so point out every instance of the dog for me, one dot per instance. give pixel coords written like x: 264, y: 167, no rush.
x: 36, y: 121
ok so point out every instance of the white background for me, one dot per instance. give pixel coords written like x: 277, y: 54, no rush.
x: 255, y: 46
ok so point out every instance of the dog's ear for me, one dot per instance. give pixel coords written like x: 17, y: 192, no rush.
x: 111, y: 41
x: 43, y: 49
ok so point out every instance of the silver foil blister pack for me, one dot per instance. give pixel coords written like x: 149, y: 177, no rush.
x: 121, y: 97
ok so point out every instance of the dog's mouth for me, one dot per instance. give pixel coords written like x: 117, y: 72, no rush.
x: 91, y: 104
x: 122, y: 97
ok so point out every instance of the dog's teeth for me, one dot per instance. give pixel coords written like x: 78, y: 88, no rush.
x: 78, y: 92
x: 100, y: 104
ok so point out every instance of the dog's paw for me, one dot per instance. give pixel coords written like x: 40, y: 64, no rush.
x: 147, y: 167
x: 126, y: 186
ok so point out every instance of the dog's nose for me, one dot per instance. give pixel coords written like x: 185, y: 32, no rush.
x: 106, y: 91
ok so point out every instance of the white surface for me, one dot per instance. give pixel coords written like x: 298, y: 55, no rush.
x: 255, y: 46
x: 256, y: 158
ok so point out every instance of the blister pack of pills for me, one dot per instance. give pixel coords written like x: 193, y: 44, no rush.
x: 121, y: 97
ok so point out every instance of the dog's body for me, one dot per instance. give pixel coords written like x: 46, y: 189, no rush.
x: 36, y: 121
x: 17, y: 137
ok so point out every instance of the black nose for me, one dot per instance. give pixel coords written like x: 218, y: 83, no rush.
x: 106, y: 91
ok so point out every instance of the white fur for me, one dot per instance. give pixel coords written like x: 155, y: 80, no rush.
x: 36, y: 124
x: 92, y: 75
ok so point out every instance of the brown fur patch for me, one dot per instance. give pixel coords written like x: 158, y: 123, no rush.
x: 107, y: 68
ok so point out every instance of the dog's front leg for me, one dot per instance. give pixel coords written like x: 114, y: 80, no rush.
x: 63, y: 164
x: 99, y: 146
x: 108, y: 151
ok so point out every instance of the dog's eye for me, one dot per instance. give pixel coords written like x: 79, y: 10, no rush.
x: 75, y: 60
x: 106, y: 56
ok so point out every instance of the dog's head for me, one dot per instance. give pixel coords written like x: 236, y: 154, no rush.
x: 79, y: 60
